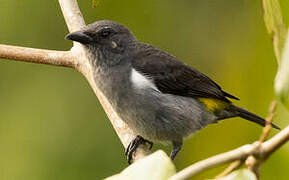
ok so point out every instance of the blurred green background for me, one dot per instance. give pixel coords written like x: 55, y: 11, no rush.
x: 53, y: 127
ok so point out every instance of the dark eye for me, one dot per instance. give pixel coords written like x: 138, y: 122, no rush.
x: 104, y: 33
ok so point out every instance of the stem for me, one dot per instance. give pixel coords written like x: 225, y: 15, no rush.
x: 232, y: 167
x: 275, y: 142
x: 256, y: 150
x: 52, y: 57
x: 77, y: 59
x: 74, y: 20
x: 236, y: 154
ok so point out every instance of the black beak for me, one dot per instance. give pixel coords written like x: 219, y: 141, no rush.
x: 80, y: 37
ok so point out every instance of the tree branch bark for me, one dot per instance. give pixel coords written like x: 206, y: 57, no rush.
x: 74, y: 20
x: 236, y: 154
x: 257, y: 149
x: 77, y: 59
x: 275, y: 142
x: 253, y: 164
x: 42, y: 56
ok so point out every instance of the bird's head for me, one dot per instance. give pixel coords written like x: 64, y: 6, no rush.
x: 105, y: 37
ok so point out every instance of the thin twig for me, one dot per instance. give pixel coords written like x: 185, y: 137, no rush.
x: 251, y: 161
x: 275, y: 142
x: 77, y: 58
x: 232, y: 167
x: 256, y: 149
x: 269, y: 119
x: 236, y: 154
x: 254, y: 163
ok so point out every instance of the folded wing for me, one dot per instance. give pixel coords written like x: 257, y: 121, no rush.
x: 172, y: 76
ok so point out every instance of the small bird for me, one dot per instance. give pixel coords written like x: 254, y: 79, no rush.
x: 159, y: 97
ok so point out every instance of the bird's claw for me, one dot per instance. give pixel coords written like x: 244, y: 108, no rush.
x: 133, y: 145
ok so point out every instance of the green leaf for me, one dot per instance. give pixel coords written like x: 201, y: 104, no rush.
x: 243, y: 174
x: 157, y: 166
x: 275, y: 25
x: 282, y: 77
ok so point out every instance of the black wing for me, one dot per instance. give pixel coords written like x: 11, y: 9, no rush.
x: 174, y: 77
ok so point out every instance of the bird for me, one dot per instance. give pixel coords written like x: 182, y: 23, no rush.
x: 159, y: 97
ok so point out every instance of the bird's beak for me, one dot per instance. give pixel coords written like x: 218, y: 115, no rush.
x: 79, y: 36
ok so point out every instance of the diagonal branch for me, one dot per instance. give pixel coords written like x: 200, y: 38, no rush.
x: 252, y: 163
x: 275, y: 142
x: 239, y: 153
x: 232, y: 167
x: 74, y: 20
x: 257, y: 149
x: 72, y: 15
x: 77, y: 59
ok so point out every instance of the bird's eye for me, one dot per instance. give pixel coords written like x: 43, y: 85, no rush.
x: 105, y: 32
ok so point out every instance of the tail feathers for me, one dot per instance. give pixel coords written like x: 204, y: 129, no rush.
x: 252, y: 117
x: 230, y: 95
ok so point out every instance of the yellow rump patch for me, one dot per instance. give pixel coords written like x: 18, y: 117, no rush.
x: 213, y: 105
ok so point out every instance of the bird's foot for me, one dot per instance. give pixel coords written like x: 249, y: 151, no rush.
x: 177, y: 145
x: 133, y: 145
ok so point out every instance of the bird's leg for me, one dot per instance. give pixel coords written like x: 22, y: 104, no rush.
x: 133, y: 145
x: 177, y: 145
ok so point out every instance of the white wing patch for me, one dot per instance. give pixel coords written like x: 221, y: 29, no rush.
x: 140, y: 81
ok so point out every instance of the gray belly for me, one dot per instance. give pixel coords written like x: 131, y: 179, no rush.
x: 162, y: 117
x: 150, y: 113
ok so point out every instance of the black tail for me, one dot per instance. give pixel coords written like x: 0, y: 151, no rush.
x: 251, y: 117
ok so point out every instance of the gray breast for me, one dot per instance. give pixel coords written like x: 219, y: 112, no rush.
x: 150, y: 113
x: 166, y: 117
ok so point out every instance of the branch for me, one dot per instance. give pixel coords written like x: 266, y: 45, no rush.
x: 74, y: 20
x: 252, y: 163
x: 269, y: 119
x: 72, y: 15
x: 239, y: 153
x: 257, y: 149
x: 77, y: 59
x: 58, y: 58
x: 275, y: 142
x: 232, y: 167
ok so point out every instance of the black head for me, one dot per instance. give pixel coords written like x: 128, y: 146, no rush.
x: 104, y: 35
